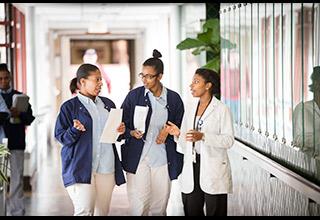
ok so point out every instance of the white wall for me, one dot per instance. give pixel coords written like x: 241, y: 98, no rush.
x: 154, y: 26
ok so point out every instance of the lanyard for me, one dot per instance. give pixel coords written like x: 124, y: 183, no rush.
x: 198, y: 127
x: 200, y: 121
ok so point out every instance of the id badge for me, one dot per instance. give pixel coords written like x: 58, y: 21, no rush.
x: 194, y: 155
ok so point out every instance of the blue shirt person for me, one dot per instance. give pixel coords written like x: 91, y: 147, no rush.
x: 15, y: 132
x: 150, y: 158
x: 90, y: 169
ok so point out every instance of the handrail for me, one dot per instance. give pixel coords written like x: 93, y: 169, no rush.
x: 294, y: 180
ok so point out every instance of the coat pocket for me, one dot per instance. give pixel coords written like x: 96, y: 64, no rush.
x: 67, y: 154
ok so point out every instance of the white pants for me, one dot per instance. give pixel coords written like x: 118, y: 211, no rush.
x: 148, y: 190
x: 15, y: 200
x: 94, y: 198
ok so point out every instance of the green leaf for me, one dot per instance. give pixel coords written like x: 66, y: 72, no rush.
x: 198, y: 50
x: 3, y: 152
x: 190, y: 43
x: 205, y: 37
x: 213, y: 64
x: 213, y: 24
x: 3, y: 177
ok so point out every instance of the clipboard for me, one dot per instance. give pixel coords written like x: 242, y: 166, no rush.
x: 21, y: 102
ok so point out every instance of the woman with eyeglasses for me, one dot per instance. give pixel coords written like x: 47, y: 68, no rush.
x: 90, y: 169
x: 150, y: 157
x: 205, y: 136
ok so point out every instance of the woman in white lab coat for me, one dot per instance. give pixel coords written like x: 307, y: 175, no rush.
x: 205, y: 136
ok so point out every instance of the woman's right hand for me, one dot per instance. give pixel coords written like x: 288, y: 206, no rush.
x: 136, y: 133
x: 77, y: 124
x: 172, y: 129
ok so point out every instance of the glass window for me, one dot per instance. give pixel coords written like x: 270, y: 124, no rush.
x: 272, y: 77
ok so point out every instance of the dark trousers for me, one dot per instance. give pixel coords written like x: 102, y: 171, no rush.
x: 193, y: 203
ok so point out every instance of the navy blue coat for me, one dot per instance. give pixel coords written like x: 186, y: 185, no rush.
x: 131, y: 150
x: 76, y: 152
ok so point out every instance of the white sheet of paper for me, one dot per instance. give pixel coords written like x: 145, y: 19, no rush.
x: 140, y: 116
x: 110, y: 134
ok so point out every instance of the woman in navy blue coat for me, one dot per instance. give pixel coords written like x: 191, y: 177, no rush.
x: 149, y: 157
x: 90, y: 169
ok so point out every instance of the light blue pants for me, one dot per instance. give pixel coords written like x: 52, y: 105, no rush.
x: 15, y: 199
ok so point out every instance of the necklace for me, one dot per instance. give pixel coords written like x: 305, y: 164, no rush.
x: 200, y: 121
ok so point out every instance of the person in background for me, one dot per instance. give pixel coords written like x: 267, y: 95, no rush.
x: 16, y: 134
x: 306, y: 122
x: 90, y: 169
x: 150, y: 158
x: 205, y: 136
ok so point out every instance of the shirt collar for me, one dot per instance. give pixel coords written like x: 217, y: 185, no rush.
x: 86, y: 99
x: 163, y: 93
x: 6, y: 91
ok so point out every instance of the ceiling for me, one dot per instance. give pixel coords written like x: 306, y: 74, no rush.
x: 99, y: 11
x: 118, y: 17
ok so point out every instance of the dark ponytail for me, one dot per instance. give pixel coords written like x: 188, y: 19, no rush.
x: 73, y: 85
x: 210, y: 76
x: 155, y: 62
x: 83, y: 72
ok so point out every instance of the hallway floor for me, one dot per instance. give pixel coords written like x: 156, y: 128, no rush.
x: 49, y: 197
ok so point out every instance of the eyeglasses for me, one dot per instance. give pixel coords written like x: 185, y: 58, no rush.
x: 147, y: 76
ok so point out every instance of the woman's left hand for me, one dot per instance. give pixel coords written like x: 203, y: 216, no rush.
x: 162, y: 136
x: 122, y: 128
x: 194, y: 136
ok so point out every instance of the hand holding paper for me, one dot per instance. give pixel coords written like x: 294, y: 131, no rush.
x: 112, y: 127
x: 140, y: 116
x: 122, y: 128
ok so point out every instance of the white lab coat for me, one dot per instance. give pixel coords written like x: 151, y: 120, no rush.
x: 215, y: 170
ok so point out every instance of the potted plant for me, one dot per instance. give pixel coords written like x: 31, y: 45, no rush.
x: 4, y: 152
x: 210, y: 41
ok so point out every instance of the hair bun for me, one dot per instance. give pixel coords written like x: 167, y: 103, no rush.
x: 156, y: 54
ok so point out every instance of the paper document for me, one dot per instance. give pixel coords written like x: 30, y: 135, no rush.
x: 21, y: 102
x: 140, y: 116
x: 110, y: 133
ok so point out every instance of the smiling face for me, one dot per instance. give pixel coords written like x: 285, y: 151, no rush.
x: 198, y: 86
x: 91, y: 86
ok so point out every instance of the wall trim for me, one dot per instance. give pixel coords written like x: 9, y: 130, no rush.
x: 294, y: 180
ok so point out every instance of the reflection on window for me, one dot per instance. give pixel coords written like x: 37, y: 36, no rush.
x: 267, y: 76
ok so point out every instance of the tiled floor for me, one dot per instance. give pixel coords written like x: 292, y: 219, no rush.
x: 49, y: 197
